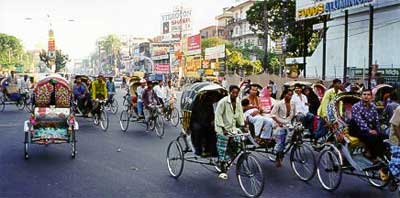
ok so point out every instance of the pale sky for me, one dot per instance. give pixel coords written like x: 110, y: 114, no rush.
x: 95, y: 18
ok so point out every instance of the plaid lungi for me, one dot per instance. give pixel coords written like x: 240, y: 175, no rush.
x: 227, y: 147
x: 394, y: 164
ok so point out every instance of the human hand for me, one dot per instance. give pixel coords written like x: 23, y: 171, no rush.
x: 373, y: 132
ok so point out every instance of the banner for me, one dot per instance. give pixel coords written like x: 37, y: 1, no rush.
x: 306, y: 9
x: 162, y: 68
x: 215, y: 52
x: 194, y: 45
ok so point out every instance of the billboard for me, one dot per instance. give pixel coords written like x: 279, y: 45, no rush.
x: 161, y: 68
x: 215, y: 52
x: 194, y: 45
x: 159, y: 51
x: 306, y: 9
x: 175, y: 23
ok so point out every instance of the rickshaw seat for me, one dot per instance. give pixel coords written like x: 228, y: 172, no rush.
x: 354, y: 142
x: 45, y: 114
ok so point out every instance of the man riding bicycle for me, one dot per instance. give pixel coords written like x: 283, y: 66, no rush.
x: 150, y: 99
x: 110, y: 89
x: 98, y: 92
x: 170, y: 96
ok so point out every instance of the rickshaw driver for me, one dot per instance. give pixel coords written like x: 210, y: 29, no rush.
x: 149, y: 99
x: 170, y: 95
x: 282, y: 113
x: 228, y: 115
x: 81, y: 94
x: 110, y: 89
x: 98, y: 92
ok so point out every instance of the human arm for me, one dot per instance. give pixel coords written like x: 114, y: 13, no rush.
x: 356, y: 115
x: 93, y: 91
x: 395, y: 122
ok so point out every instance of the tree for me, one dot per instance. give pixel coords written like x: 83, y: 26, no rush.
x: 281, y: 22
x: 61, y: 60
x: 111, y: 44
x: 11, y: 50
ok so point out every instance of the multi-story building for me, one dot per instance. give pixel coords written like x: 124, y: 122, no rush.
x: 222, y: 21
x: 238, y: 28
x: 212, y: 31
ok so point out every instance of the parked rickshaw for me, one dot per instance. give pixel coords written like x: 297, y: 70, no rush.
x: 130, y: 113
x: 346, y: 156
x: 52, y: 121
x: 10, y: 94
x: 248, y: 169
x: 319, y: 89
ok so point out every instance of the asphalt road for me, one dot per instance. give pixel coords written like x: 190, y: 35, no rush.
x: 138, y: 170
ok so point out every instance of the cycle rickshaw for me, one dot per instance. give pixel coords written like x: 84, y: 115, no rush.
x: 100, y: 117
x: 52, y: 120
x: 10, y: 94
x: 248, y: 169
x: 319, y: 89
x: 380, y: 93
x: 130, y: 113
x: 345, y: 156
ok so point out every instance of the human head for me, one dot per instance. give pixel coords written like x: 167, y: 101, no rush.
x: 307, y: 91
x: 100, y: 78
x: 12, y: 73
x: 78, y: 79
x: 366, y: 95
x: 169, y: 83
x: 253, y: 90
x: 25, y: 77
x: 149, y: 84
x: 142, y: 82
x: 336, y: 84
x: 234, y: 92
x: 287, y: 94
x: 245, y: 102
x: 110, y: 79
x: 297, y: 88
x: 161, y: 83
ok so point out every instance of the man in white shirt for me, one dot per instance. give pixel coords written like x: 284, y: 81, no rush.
x: 159, y: 90
x: 301, y: 107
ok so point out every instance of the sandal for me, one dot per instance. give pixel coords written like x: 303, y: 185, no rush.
x: 223, y: 176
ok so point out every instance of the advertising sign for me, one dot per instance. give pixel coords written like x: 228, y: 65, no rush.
x: 159, y: 51
x: 265, y: 100
x: 215, y: 52
x: 194, y: 45
x: 306, y: 9
x: 176, y: 22
x: 162, y: 68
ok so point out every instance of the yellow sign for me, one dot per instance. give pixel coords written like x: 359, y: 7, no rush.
x: 209, y: 72
x: 192, y: 64
x: 311, y: 11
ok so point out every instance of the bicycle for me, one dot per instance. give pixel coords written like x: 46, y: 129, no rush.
x: 112, y: 104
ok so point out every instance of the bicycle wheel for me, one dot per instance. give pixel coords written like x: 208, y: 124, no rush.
x: 329, y: 170
x: 104, y: 120
x: 250, y: 175
x: 26, y: 146
x: 159, y: 126
x: 175, y: 159
x: 174, y: 117
x: 124, y: 120
x: 114, y: 106
x: 96, y: 119
x: 375, y: 180
x: 302, y: 161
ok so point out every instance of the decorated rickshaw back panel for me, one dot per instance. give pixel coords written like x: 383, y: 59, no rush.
x: 53, y: 91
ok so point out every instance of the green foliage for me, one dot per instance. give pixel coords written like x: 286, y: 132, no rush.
x: 282, y: 23
x: 11, y: 51
x: 61, y: 60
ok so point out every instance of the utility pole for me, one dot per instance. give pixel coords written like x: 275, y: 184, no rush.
x: 346, y: 38
x: 371, y: 43
x: 324, y: 48
x: 305, y: 40
x: 265, y: 60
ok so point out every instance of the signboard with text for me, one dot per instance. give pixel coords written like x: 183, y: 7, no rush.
x: 162, y: 68
x: 194, y: 45
x: 215, y: 52
x: 306, y: 9
x: 175, y: 23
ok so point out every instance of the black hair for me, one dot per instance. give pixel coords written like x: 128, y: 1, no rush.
x: 286, y: 91
x: 336, y: 81
x: 297, y: 85
x: 232, y: 87
x: 367, y: 90
x: 245, y: 102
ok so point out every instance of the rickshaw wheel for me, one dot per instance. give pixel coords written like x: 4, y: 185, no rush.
x: 329, y: 169
x: 124, y: 120
x: 378, y: 183
x: 174, y: 117
x: 250, y: 175
x: 96, y: 120
x: 303, y: 163
x: 175, y: 159
x: 73, y: 154
x: 104, y: 120
x: 26, y: 146
x: 21, y: 103
x: 114, y: 107
x: 159, y: 126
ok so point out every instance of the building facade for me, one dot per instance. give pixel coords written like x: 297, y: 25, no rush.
x: 212, y: 31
